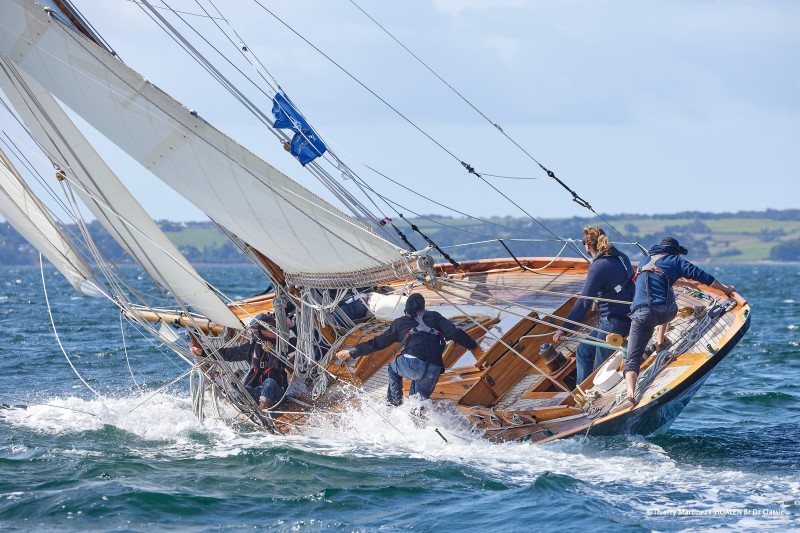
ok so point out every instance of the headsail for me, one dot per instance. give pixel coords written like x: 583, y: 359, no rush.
x: 26, y: 213
x: 110, y: 202
x: 315, y: 243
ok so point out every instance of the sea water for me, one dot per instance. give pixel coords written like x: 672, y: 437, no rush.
x: 132, y: 457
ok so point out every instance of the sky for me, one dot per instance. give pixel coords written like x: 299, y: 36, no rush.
x: 639, y: 106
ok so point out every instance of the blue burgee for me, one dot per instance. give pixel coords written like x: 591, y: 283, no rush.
x: 306, y: 146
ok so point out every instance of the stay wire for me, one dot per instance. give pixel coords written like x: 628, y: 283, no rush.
x: 575, y: 196
x: 359, y: 82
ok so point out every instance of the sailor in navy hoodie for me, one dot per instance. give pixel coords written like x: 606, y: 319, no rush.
x: 654, y: 302
x: 609, y: 282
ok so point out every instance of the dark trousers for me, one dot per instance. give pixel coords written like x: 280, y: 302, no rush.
x: 643, y: 322
x: 423, y: 378
x: 587, y: 357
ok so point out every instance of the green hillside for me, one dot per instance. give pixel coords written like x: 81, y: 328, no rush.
x: 770, y: 235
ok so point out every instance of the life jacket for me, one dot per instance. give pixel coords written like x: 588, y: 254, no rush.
x: 649, y: 267
x: 421, y: 327
x: 262, y: 366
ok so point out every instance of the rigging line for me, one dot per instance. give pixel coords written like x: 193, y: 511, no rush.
x: 497, y: 126
x: 253, y: 83
x: 182, y: 12
x: 125, y: 348
x: 205, y: 63
x: 48, y: 126
x: 242, y: 48
x: 55, y: 330
x: 359, y: 82
x: 471, y: 285
x: 35, y: 173
x: 249, y: 51
x: 443, y: 205
x: 499, y: 239
x: 510, y: 177
x: 338, y: 237
x: 517, y: 304
x: 29, y: 403
x: 355, y: 205
x: 512, y: 349
x: 160, y: 390
x: 575, y: 197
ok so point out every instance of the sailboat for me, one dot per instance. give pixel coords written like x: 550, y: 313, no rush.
x: 316, y: 256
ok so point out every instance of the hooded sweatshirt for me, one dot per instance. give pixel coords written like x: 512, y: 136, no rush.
x: 659, y: 286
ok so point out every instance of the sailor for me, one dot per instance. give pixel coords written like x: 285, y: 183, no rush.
x: 422, y: 335
x: 266, y: 381
x: 654, y: 302
x: 610, y: 280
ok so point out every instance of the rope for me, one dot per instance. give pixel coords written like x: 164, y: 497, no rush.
x: 125, y: 349
x: 55, y: 331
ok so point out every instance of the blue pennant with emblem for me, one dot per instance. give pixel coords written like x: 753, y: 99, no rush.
x: 306, y: 146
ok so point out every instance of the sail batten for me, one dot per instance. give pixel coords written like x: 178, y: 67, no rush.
x: 298, y: 230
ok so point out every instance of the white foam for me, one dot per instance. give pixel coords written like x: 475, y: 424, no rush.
x: 375, y: 430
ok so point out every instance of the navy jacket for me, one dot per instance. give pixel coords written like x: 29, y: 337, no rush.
x: 673, y: 267
x: 263, y: 364
x: 421, y: 345
x: 605, y: 273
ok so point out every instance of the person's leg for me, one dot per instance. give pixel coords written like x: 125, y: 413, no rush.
x: 270, y: 394
x: 584, y: 359
x: 611, y: 325
x: 427, y: 382
x: 403, y: 367
x: 394, y: 393
x: 642, y: 328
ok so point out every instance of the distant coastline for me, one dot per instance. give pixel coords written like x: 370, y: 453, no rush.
x: 744, y: 237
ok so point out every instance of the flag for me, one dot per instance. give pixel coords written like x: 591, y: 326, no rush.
x: 306, y: 145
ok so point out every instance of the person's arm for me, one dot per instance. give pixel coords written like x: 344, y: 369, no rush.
x: 690, y: 271
x: 591, y: 287
x: 235, y: 353
x: 452, y: 333
x: 727, y: 289
x: 385, y: 339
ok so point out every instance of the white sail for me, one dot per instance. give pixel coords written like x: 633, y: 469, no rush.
x: 108, y: 199
x: 27, y: 215
x: 304, y: 235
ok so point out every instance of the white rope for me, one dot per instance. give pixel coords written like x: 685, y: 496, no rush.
x: 55, y: 331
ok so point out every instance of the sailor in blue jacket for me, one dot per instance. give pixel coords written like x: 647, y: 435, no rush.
x: 654, y: 302
x: 610, y: 281
x: 422, y: 335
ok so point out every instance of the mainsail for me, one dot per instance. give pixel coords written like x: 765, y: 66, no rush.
x: 108, y: 199
x: 314, y: 243
x: 25, y: 212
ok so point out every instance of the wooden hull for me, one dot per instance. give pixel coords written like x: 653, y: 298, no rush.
x: 510, y: 393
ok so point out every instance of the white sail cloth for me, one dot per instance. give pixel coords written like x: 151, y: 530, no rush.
x: 107, y: 198
x: 27, y: 215
x: 300, y: 232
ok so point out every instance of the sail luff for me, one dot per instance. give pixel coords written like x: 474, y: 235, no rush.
x: 107, y: 198
x: 23, y: 210
x: 302, y: 233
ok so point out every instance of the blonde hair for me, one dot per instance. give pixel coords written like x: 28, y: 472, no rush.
x: 596, y: 238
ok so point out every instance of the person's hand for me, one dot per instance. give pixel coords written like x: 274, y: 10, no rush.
x: 196, y: 350
x: 343, y: 355
x: 558, y: 336
x: 478, y: 352
x: 729, y: 289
